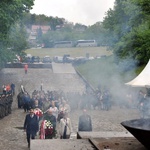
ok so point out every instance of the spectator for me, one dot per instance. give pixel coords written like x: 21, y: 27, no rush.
x: 64, y: 107
x: 35, y: 104
x: 85, y: 123
x: 8, y: 88
x: 45, y: 104
x: 26, y: 102
x: 65, y: 127
x: 12, y: 88
x: 4, y: 89
x: 26, y: 68
x: 54, y: 109
x: 41, y: 86
x: 52, y: 119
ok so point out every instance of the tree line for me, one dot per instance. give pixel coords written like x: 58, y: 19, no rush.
x: 125, y: 29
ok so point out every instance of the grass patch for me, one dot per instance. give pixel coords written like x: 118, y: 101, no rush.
x: 106, y: 72
x: 73, y: 52
x: 100, y: 71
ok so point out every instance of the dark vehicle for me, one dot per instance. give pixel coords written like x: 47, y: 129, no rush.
x: 27, y: 58
x: 69, y: 59
x: 58, y: 59
x: 35, y: 59
x: 65, y: 58
x: 16, y: 61
x: 47, y: 59
x: 80, y: 60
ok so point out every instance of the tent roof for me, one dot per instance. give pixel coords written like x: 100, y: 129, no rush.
x: 143, y: 79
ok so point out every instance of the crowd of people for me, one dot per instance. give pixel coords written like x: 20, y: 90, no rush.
x: 74, y: 100
x: 6, y: 99
x: 48, y: 112
x: 8, y: 89
x: 49, y: 115
x: 5, y: 104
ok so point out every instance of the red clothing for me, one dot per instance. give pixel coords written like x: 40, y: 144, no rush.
x: 38, y: 112
x: 8, y: 88
x: 26, y: 67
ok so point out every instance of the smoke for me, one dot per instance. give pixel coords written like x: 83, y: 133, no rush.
x: 107, y: 75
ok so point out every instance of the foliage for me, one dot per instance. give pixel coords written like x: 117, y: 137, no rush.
x: 5, y: 55
x: 39, y: 36
x: 70, y: 32
x: 10, y: 12
x: 99, y: 33
x: 18, y: 39
x: 129, y: 27
x: 137, y: 45
x: 33, y: 19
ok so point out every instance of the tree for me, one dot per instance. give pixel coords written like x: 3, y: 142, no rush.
x: 129, y: 26
x: 10, y: 12
x: 18, y: 39
x: 39, y: 35
x: 55, y: 21
x: 97, y: 32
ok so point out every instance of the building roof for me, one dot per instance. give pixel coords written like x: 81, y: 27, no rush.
x: 43, y: 28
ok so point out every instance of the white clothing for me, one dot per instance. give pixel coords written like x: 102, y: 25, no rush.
x: 63, y: 122
x: 54, y: 111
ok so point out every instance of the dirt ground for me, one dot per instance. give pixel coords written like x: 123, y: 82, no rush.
x: 14, y: 138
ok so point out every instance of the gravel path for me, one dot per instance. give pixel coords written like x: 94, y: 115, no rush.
x: 12, y: 137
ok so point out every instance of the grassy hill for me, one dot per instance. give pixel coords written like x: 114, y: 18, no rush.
x: 102, y: 71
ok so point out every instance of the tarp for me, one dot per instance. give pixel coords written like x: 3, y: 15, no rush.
x: 143, y: 79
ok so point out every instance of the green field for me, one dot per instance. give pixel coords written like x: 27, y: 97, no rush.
x: 73, y: 52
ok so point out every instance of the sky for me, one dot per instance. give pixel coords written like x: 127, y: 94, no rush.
x: 86, y: 12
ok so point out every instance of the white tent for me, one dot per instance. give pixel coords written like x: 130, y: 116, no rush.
x: 143, y: 79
